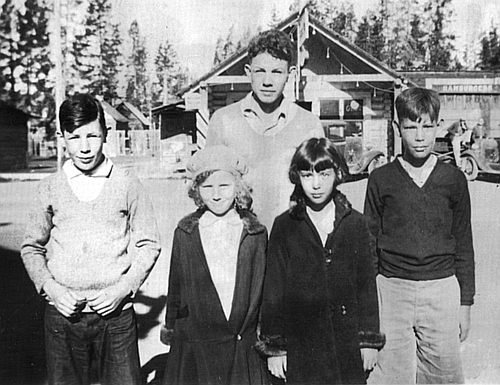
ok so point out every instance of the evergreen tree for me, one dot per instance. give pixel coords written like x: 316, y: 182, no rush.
x: 97, y: 52
x: 439, y: 41
x: 137, y: 91
x: 370, y: 36
x: 168, y: 73
x: 417, y: 41
x: 338, y: 17
x: 226, y: 47
x: 24, y: 55
x: 489, y: 57
x: 9, y: 59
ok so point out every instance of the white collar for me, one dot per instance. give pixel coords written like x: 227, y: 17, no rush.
x: 103, y: 170
x: 209, y: 218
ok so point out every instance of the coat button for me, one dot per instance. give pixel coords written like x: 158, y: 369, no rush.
x: 328, y: 256
x: 238, y: 337
x: 344, y: 311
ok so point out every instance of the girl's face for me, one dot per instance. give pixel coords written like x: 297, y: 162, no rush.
x: 318, y: 186
x: 218, y: 192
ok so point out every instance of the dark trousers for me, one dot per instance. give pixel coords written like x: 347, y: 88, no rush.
x: 74, y: 343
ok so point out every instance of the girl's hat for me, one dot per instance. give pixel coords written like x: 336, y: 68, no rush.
x: 216, y: 158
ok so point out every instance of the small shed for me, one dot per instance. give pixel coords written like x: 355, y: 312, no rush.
x: 13, y: 138
x: 137, y: 120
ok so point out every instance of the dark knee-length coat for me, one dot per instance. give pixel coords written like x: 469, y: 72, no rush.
x: 320, y: 302
x: 206, y: 348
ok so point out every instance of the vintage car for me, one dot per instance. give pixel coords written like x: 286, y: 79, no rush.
x: 359, y: 158
x: 479, y: 156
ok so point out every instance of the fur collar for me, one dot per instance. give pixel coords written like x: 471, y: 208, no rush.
x: 250, y: 222
x: 298, y: 206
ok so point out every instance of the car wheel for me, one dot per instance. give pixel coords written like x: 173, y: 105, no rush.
x: 470, y: 167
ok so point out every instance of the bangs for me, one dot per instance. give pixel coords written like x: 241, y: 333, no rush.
x: 319, y: 164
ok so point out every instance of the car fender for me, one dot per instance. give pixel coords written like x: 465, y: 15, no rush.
x: 366, y: 159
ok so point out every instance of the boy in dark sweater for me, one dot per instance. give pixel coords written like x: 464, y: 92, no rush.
x: 421, y: 214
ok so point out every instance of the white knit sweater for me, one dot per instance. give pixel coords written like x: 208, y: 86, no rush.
x: 94, y: 244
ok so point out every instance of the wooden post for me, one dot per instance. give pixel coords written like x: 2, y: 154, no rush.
x: 59, y: 88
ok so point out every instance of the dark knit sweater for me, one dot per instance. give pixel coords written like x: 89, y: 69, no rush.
x: 423, y: 233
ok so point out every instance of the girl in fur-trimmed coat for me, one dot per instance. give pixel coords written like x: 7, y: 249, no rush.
x: 320, y: 312
x: 216, y: 278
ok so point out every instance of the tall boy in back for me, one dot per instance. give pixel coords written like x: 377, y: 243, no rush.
x: 421, y: 215
x: 265, y: 126
x: 104, y: 242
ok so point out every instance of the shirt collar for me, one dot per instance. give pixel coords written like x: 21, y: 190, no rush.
x: 231, y: 218
x: 250, y: 107
x: 102, y: 171
x: 428, y: 165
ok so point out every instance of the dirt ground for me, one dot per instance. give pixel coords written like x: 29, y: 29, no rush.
x: 22, y: 356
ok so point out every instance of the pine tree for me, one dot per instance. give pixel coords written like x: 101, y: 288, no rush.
x: 24, y: 55
x: 225, y: 47
x: 9, y: 59
x: 489, y: 57
x: 97, y: 52
x: 439, y: 41
x: 166, y: 65
x: 370, y: 36
x: 338, y: 17
x: 137, y: 91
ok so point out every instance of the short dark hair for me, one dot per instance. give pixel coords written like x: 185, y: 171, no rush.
x: 275, y: 43
x: 79, y: 110
x: 317, y: 154
x: 413, y: 102
x: 243, y: 200
x: 314, y: 154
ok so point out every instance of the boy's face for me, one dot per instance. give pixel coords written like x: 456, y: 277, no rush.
x: 84, y: 146
x: 218, y: 192
x: 268, y: 76
x: 418, y: 137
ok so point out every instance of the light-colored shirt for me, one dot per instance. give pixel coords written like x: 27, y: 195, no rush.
x: 323, y: 220
x: 419, y: 174
x: 220, y: 237
x: 266, y: 149
x: 93, y: 244
x: 262, y: 123
x: 88, y: 186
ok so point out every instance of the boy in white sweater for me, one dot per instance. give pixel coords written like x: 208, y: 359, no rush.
x: 104, y: 242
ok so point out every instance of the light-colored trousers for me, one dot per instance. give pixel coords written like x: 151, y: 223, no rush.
x: 421, y: 322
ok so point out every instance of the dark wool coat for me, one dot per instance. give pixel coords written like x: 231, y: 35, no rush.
x: 320, y: 303
x: 206, y: 348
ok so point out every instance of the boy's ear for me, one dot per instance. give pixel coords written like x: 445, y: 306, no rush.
x: 291, y: 71
x: 248, y: 69
x: 396, y: 127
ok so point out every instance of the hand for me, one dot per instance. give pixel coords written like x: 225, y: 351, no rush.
x: 277, y: 366
x: 464, y: 322
x: 109, y: 299
x: 369, y: 357
x: 66, y: 301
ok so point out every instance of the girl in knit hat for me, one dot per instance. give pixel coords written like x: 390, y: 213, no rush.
x: 216, y: 277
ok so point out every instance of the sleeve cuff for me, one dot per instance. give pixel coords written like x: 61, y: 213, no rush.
x: 166, y: 335
x: 271, y: 346
x: 371, y: 340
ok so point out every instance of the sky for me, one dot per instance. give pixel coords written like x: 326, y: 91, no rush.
x: 193, y: 26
